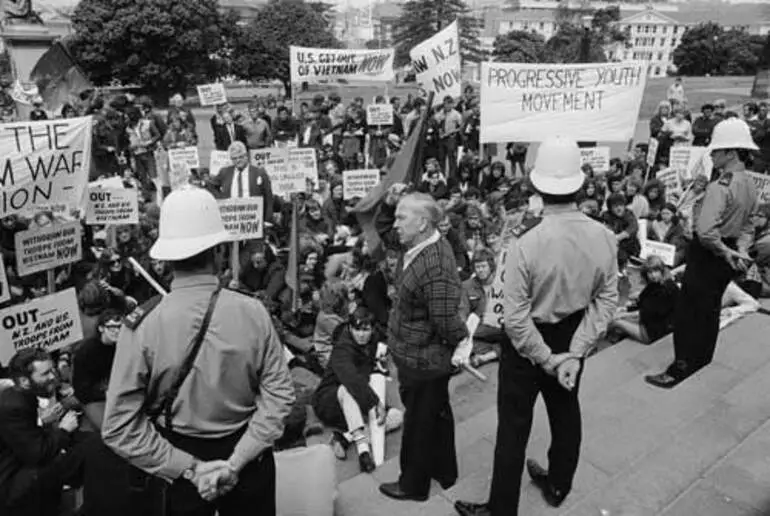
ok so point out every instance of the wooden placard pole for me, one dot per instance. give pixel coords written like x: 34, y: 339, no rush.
x: 51, y: 281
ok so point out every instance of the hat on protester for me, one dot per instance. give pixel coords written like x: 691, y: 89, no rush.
x: 557, y: 167
x: 190, y: 223
x: 732, y: 133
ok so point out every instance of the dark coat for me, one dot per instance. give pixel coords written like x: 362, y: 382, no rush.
x: 259, y: 186
x: 222, y: 139
x: 350, y: 365
x: 656, y: 308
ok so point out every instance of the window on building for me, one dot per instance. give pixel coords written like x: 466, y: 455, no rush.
x: 625, y: 56
x: 673, y: 42
x: 636, y: 56
x: 542, y: 25
x: 657, y: 70
x: 664, y: 29
x: 662, y: 42
x: 654, y: 29
x: 660, y: 56
x: 638, y: 29
x: 676, y: 29
x: 646, y: 29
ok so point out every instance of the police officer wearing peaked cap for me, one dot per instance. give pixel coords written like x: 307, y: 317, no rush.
x: 723, y: 233
x: 561, y: 291
x: 200, y: 387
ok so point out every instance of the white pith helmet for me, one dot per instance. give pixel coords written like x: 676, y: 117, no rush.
x: 557, y: 167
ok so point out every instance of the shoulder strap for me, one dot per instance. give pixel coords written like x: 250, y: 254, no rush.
x: 167, y: 398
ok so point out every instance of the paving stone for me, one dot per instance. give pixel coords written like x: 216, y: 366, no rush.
x: 702, y: 501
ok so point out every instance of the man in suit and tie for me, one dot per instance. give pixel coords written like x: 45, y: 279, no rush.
x: 226, y: 131
x: 312, y: 132
x: 244, y: 180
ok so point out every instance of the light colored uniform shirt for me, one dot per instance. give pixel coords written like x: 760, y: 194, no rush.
x: 240, y: 377
x: 566, y: 263
x: 726, y: 212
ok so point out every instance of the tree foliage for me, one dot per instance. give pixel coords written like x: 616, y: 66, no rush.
x: 421, y: 19
x: 262, y: 49
x: 519, y: 46
x: 163, y: 45
x: 708, y: 49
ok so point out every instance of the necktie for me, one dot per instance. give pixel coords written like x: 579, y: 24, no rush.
x: 240, y: 183
x: 232, y: 132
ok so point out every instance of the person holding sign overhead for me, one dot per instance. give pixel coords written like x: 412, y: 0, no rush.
x: 561, y: 291
x: 450, y: 123
x: 722, y: 234
x: 244, y: 180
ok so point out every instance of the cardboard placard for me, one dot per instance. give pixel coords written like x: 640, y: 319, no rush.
x: 691, y: 161
x: 642, y: 232
x: 51, y: 322
x: 523, y: 102
x: 437, y: 65
x: 243, y: 217
x: 670, y: 179
x: 212, y: 94
x: 665, y: 252
x: 217, y: 161
x: 187, y: 155
x: 288, y: 168
x: 5, y: 288
x: 358, y: 183
x: 112, y: 206
x: 762, y: 182
x: 179, y: 175
x: 652, y: 151
x: 597, y: 157
x: 379, y: 114
x: 44, y: 163
x: 42, y: 249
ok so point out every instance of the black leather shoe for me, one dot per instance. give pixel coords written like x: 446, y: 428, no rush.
x: 393, y: 490
x: 663, y: 380
x: 472, y: 509
x: 446, y: 483
x: 539, y: 475
x: 365, y: 462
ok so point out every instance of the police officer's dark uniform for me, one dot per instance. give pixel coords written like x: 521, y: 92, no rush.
x: 723, y: 227
x: 561, y: 290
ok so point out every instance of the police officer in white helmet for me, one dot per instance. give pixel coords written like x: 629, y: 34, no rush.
x: 718, y: 252
x: 561, y: 291
x: 200, y: 387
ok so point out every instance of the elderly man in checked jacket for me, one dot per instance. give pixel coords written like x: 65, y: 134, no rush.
x: 427, y: 337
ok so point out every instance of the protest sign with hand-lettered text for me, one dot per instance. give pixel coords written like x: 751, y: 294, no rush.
x: 652, y: 151
x: 112, y: 206
x: 50, y: 322
x: 358, y: 183
x: 379, y: 114
x: 669, y: 177
x: 179, y: 175
x: 586, y: 102
x: 324, y: 64
x: 242, y: 217
x: 275, y: 161
x: 186, y: 155
x: 43, y: 163
x: 212, y: 94
x: 217, y: 161
x: 42, y: 249
x: 762, y: 182
x: 437, y: 65
x: 597, y: 157
x: 666, y: 252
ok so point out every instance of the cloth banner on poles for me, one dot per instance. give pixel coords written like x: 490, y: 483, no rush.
x: 323, y: 64
x: 436, y: 62
x: 586, y: 102
x: 44, y: 163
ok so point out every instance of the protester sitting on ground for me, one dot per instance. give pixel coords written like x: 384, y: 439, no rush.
x: 333, y: 311
x: 623, y: 223
x: 345, y: 399
x: 35, y: 461
x: 651, y: 317
x: 635, y: 201
x: 760, y: 249
x: 477, y: 308
x: 667, y: 229
x: 655, y: 193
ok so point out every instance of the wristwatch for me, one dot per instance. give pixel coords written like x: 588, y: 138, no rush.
x: 189, y: 473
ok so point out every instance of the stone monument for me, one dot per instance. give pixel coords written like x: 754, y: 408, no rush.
x: 24, y: 35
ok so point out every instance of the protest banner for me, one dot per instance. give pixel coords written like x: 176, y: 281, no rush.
x: 112, y: 206
x: 178, y: 175
x: 358, y: 183
x: 652, y: 151
x: 50, y: 322
x: 212, y: 94
x: 324, y: 64
x: 45, y: 162
x: 243, y: 217
x: 586, y: 102
x: 436, y: 63
x: 217, y: 161
x: 597, y: 157
x: 665, y: 252
x: 379, y: 114
x: 669, y: 177
x: 41, y: 249
x: 5, y: 288
x: 762, y: 182
x: 187, y: 155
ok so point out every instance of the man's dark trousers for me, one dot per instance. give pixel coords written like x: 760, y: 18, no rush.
x: 520, y: 382
x: 254, y: 494
x: 696, y: 320
x: 428, y: 439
